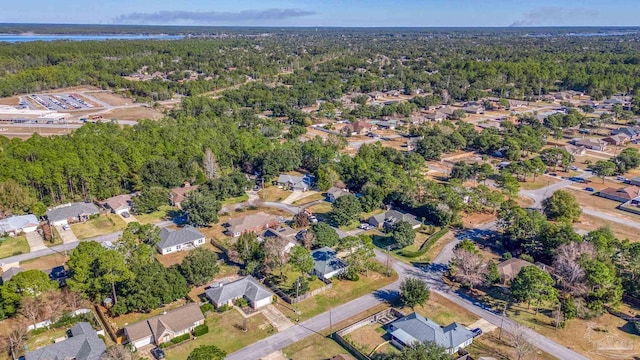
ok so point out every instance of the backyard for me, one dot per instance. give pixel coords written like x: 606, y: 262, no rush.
x: 10, y: 246
x: 101, y: 225
x: 225, y: 332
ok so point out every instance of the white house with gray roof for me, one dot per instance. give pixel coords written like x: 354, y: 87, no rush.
x: 248, y: 287
x: 391, y: 217
x: 70, y: 213
x: 172, y: 240
x: 83, y: 344
x: 17, y: 224
x: 327, y: 264
x: 294, y: 182
x: 415, y: 328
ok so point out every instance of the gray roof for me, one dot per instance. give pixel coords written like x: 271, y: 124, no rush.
x: 393, y: 216
x: 326, y: 261
x: 337, y: 192
x: 247, y: 287
x: 172, y: 237
x: 16, y: 223
x: 174, y: 321
x: 7, y: 275
x: 83, y: 345
x: 74, y: 210
x: 296, y: 182
x: 416, y: 328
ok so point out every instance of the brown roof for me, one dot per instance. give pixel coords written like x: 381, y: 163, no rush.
x: 251, y: 221
x: 508, y: 269
x: 176, y: 320
x: 118, y: 202
x: 628, y: 192
x: 179, y: 193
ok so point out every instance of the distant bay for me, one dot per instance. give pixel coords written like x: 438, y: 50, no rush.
x: 16, y: 38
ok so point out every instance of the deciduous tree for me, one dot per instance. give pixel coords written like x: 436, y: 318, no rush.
x: 413, y: 292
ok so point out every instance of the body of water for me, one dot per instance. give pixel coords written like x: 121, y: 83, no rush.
x: 13, y: 38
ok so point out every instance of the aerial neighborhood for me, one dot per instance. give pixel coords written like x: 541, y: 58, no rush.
x: 329, y: 194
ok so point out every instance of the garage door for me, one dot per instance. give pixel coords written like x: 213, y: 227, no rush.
x: 140, y: 343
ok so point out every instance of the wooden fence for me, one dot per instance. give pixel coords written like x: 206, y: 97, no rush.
x: 294, y: 300
x: 385, y: 315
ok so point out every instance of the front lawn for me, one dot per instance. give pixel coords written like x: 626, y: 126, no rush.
x: 290, y: 275
x: 314, y: 347
x: 273, y: 193
x: 236, y: 200
x: 342, y: 292
x: 225, y: 332
x: 101, y: 225
x: 163, y: 213
x: 10, y: 246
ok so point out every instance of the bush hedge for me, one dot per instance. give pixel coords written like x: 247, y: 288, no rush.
x: 426, y: 245
x: 208, y: 307
x: 200, y: 330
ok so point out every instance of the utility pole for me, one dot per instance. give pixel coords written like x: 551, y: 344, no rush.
x: 330, y: 324
x: 388, y: 260
x: 502, y: 321
x: 297, y: 312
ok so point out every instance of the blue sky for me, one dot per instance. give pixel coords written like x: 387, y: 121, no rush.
x: 328, y: 12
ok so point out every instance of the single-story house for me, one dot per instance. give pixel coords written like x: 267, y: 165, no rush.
x: 16, y: 224
x: 327, y: 264
x: 389, y: 218
x: 335, y: 192
x: 119, y: 204
x: 362, y: 127
x: 447, y: 110
x: 162, y: 328
x: 414, y: 328
x: 177, y: 195
x: 510, y: 268
x: 473, y: 109
x: 248, y: 287
x: 575, y: 150
x: 632, y: 132
x: 387, y: 124
x: 513, y: 104
x: 83, y: 343
x: 251, y: 223
x: 619, y: 139
x: 622, y: 195
x: 293, y: 182
x: 591, y: 144
x: 11, y: 272
x: 172, y: 240
x: 436, y: 116
x: 70, y: 213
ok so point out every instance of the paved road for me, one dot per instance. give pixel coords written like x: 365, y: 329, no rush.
x: 540, y: 194
x: 612, y: 218
x: 59, y: 249
x: 433, y: 277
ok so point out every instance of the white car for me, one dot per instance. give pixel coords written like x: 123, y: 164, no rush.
x: 66, y: 227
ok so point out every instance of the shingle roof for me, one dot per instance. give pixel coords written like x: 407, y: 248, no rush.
x: 247, y: 287
x: 326, y: 261
x: 176, y: 320
x: 172, y: 237
x: 250, y: 221
x: 415, y: 328
x: 337, y: 192
x: 20, y: 222
x: 83, y: 345
x: 119, y: 202
x: 71, y: 211
x: 7, y: 275
x: 394, y: 216
x: 511, y: 267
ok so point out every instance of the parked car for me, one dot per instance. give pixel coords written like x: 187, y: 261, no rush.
x: 126, y: 215
x: 574, y: 168
x: 590, y: 189
x: 578, y: 180
x: 553, y: 174
x: 157, y: 353
x: 476, y: 332
x: 66, y: 227
x: 622, y: 178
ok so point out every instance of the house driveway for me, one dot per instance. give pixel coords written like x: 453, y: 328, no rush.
x: 278, y: 355
x: 297, y: 195
x: 67, y: 236
x: 35, y: 241
x: 483, y: 324
x: 131, y: 218
x: 276, y: 318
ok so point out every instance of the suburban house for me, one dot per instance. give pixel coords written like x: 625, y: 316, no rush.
x: 591, y: 144
x: 327, y: 264
x: 362, y: 127
x: 387, y: 124
x: 622, y: 195
x: 251, y: 223
x: 632, y: 132
x: 510, y: 268
x: 473, y: 109
x: 335, y: 192
x: 17, y: 224
x: 70, y: 213
x: 389, y: 218
x: 575, y: 150
x: 414, y: 328
x: 83, y: 343
x: 162, y: 328
x: 513, y: 104
x: 11, y: 272
x: 293, y: 182
x: 436, y: 116
x: 283, y: 232
x: 119, y: 204
x: 619, y: 139
x: 248, y: 288
x: 172, y: 240
x: 177, y: 195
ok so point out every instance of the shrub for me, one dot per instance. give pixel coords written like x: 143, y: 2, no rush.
x: 425, y: 245
x: 223, y: 308
x: 242, y: 302
x: 208, y: 307
x: 181, y: 338
x: 200, y: 330
x: 527, y: 257
x: 507, y: 256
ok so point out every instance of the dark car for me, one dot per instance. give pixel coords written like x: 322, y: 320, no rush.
x: 590, y: 189
x: 578, y: 180
x: 157, y: 353
x: 126, y: 215
x: 58, y: 272
x: 553, y: 174
x: 476, y: 332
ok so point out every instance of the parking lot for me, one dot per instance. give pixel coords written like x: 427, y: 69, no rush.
x: 62, y: 102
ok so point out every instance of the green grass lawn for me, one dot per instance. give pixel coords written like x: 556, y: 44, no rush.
x: 308, y: 199
x: 225, y: 332
x: 290, y: 276
x: 11, y: 246
x: 161, y: 214
x: 236, y: 200
x: 103, y: 224
x: 46, y: 338
x: 314, y: 347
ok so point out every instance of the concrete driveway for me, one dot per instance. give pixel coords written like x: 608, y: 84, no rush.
x: 276, y: 318
x: 297, y: 195
x: 35, y: 241
x: 67, y: 236
x: 129, y: 219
